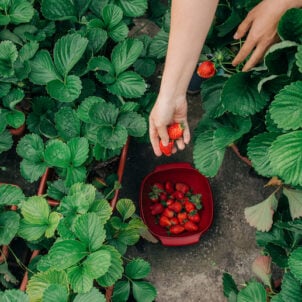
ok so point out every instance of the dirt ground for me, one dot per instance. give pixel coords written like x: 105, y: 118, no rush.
x: 194, y: 273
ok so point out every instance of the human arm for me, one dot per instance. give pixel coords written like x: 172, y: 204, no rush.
x: 190, y: 23
x: 260, y: 29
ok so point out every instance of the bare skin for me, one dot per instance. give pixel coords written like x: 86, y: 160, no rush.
x: 190, y: 22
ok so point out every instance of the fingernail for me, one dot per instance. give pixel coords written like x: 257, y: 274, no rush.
x: 236, y: 36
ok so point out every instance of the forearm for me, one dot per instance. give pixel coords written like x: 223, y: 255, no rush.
x: 294, y: 3
x: 190, y: 23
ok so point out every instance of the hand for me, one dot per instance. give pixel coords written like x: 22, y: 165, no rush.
x: 163, y: 114
x: 261, y: 25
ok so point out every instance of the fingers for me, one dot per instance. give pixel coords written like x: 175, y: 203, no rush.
x: 243, y: 28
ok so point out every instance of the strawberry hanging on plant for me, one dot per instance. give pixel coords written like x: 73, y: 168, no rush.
x: 206, y: 70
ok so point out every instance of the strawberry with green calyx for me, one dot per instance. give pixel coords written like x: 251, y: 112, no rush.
x: 167, y: 150
x: 189, y: 206
x: 206, y: 70
x: 175, y: 130
x: 194, y: 216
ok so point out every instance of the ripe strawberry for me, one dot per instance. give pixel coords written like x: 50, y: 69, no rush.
x: 182, y: 217
x: 194, y: 216
x: 175, y: 130
x: 174, y: 221
x: 157, y: 187
x: 189, y: 206
x: 164, y: 221
x: 175, y: 206
x: 206, y: 69
x: 168, y: 213
x: 167, y: 150
x: 176, y: 229
x: 163, y: 196
x: 169, y: 187
x: 182, y: 187
x: 157, y: 208
x: 178, y: 195
x: 190, y: 226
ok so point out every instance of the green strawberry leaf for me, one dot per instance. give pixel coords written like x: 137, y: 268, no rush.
x: 279, y: 51
x: 294, y: 198
x: 102, y: 113
x: 9, y: 225
x: 143, y: 290
x: 206, y: 155
x: 40, y: 281
x: 8, y: 56
x: 258, y: 148
x: 159, y: 44
x: 20, y: 11
x: 112, y: 15
x: 68, y: 51
x: 112, y: 137
x: 67, y: 123
x: 10, y: 195
x: 55, y: 292
x: 125, y: 207
x: 288, y: 103
x: 43, y: 70
x: 6, y: 141
x: 79, y: 149
x: 31, y: 147
x: 290, y: 25
x: 285, y: 156
x: 92, y: 296
x: 59, y: 10
x: 119, y: 32
x: 295, y: 263
x: 32, y: 171
x: 90, y: 230
x: 253, y: 292
x: 137, y: 269
x: 135, y: 124
x: 15, y: 295
x: 67, y: 91
x: 115, y: 269
x: 128, y: 84
x: 299, y: 58
x: 85, y: 105
x: 97, y: 263
x: 291, y: 290
x: 133, y: 8
x: 57, y: 154
x: 66, y: 253
x: 80, y: 280
x: 241, y: 89
x: 229, y: 285
x: 260, y: 215
x: 74, y: 175
x: 125, y: 54
x: 121, y: 291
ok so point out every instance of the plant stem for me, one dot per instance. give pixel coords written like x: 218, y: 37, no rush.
x: 121, y: 99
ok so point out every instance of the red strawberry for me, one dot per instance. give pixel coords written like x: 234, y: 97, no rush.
x: 163, y: 196
x: 190, y: 226
x: 178, y: 195
x: 167, y: 150
x: 176, y: 229
x: 175, y: 206
x: 174, y: 221
x: 182, y: 187
x: 206, y: 69
x: 189, y: 206
x: 194, y: 216
x: 182, y: 217
x: 168, y: 213
x: 157, y: 208
x: 175, y: 130
x: 158, y: 187
x: 164, y: 221
x: 169, y: 187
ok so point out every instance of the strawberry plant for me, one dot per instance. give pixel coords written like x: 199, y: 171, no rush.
x: 84, y: 241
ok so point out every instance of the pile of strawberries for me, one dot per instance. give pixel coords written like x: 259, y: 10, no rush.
x: 175, y: 207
